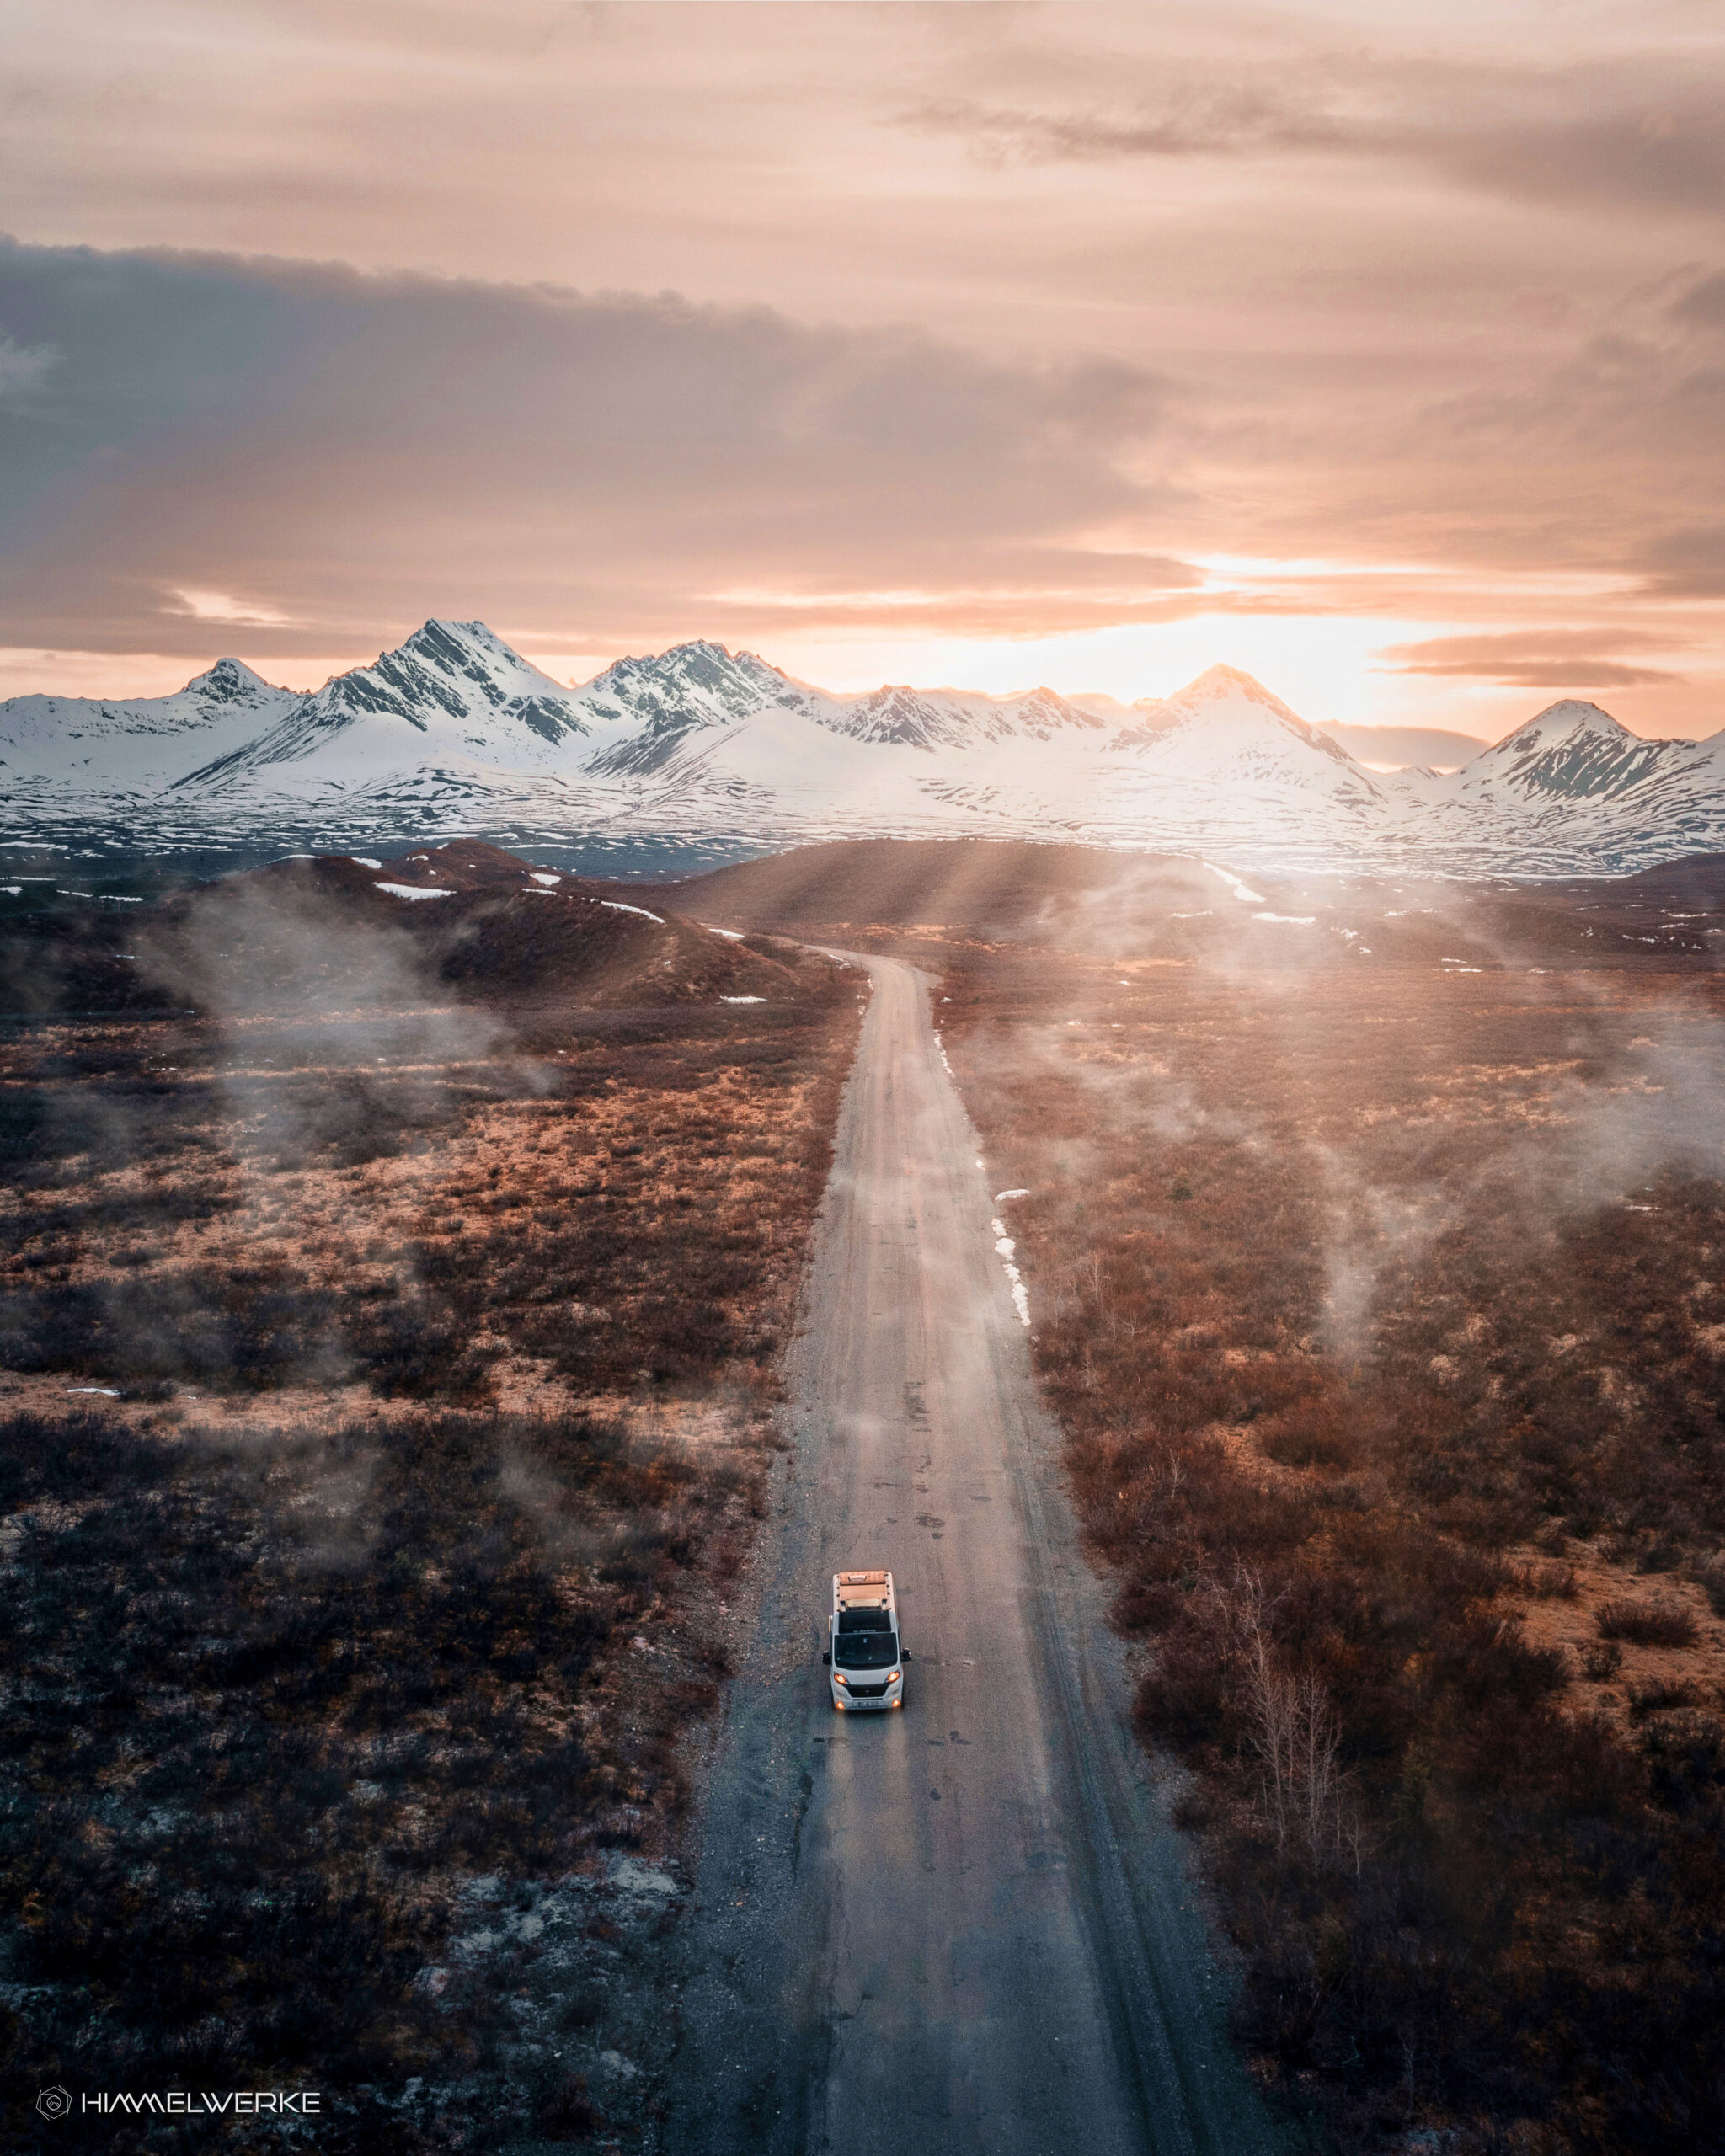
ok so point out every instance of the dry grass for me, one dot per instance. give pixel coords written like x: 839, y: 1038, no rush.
x: 447, y: 1341
x: 1380, y: 1311
x: 198, y: 1205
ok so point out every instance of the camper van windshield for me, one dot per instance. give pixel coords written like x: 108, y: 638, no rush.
x: 865, y: 1650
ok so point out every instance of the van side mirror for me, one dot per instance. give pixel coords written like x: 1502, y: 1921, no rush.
x: 827, y: 1659
x: 904, y: 1654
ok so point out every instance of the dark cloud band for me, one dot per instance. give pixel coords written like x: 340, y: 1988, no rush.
x: 335, y: 450
x: 1537, y: 660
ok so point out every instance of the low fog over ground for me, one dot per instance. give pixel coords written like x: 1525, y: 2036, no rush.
x: 1372, y: 1233
x: 394, y: 1260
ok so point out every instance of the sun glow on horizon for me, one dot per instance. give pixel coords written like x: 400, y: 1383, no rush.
x: 1324, y: 666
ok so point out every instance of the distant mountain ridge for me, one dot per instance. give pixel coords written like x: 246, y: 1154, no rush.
x: 453, y: 730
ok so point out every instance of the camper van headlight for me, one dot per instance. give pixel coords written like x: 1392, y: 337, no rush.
x: 839, y: 1679
x: 894, y: 1677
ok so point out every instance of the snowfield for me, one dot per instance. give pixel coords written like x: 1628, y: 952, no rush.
x: 455, y: 731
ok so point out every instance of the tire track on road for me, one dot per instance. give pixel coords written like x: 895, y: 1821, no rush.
x: 966, y: 1927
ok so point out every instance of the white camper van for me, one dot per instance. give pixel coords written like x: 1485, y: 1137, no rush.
x: 863, y: 1651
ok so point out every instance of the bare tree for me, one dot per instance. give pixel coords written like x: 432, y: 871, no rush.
x: 1293, y: 1730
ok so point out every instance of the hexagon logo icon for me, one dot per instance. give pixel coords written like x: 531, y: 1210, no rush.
x: 53, y: 2103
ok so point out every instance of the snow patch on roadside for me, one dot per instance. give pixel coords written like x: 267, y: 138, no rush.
x: 1007, y: 1250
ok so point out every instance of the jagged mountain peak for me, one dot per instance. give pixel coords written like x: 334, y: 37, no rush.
x: 1220, y: 684
x: 459, y: 671
x: 1220, y: 679
x: 1572, y: 749
x: 652, y: 705
x: 143, y: 742
x: 1225, y: 730
x: 700, y: 659
x: 454, y: 685
x: 226, y: 679
x: 460, y: 651
x: 897, y: 715
x: 1566, y: 718
x: 734, y: 681
x: 703, y: 651
x: 1217, y: 685
x: 1048, y: 704
x: 472, y: 648
x: 1225, y: 702
x: 436, y: 633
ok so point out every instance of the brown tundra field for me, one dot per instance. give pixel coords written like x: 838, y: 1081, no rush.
x: 393, y: 1299
x: 391, y: 1295
x: 1374, y: 1241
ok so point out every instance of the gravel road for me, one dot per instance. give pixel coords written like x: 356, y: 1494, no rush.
x: 964, y: 1927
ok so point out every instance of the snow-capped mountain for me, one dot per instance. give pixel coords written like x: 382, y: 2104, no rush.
x: 700, y: 685
x: 948, y: 719
x: 455, y: 731
x: 1224, y: 763
x: 1226, y: 731
x: 453, y: 684
x: 1571, y: 751
x: 649, y: 707
x: 108, y: 745
x: 1573, y: 788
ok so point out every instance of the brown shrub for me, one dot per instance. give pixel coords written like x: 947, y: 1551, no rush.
x: 1369, y: 1286
x: 1661, y: 1623
x: 276, y: 1700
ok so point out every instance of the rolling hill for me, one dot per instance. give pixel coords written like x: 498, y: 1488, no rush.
x: 466, y: 923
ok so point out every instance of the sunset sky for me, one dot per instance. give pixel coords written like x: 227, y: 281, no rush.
x: 1379, y: 349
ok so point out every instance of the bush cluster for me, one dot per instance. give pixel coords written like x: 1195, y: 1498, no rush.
x: 278, y: 1700
x: 269, y: 1704
x: 1318, y: 1411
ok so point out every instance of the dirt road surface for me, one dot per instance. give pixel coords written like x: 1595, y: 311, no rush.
x: 964, y: 1927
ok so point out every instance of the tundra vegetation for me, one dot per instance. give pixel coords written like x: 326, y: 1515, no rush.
x: 1375, y: 1244
x: 391, y: 1295
x: 1382, y: 1305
